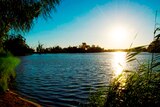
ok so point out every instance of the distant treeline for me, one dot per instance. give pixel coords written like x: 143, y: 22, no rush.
x: 83, y: 48
x: 16, y: 44
x: 135, y: 49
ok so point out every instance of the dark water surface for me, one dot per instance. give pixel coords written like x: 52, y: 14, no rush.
x: 65, y: 79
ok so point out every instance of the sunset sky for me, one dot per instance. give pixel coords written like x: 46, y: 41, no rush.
x: 107, y: 23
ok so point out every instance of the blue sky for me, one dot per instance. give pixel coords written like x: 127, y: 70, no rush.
x: 107, y: 23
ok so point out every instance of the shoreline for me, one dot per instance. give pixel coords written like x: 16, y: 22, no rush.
x: 12, y: 99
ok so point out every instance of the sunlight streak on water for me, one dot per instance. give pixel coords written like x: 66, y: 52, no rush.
x: 118, y: 63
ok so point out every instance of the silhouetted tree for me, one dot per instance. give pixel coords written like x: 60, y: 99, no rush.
x: 57, y: 49
x: 39, y: 48
x: 16, y: 44
x: 155, y: 44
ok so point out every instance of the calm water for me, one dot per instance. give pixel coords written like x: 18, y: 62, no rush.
x: 67, y: 79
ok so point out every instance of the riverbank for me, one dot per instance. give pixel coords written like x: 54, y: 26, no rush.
x: 11, y: 99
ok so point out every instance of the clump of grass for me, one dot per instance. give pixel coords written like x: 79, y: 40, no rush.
x: 7, y: 72
x: 98, y: 98
x: 140, y: 90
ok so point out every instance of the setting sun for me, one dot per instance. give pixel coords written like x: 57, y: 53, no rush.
x: 118, y: 34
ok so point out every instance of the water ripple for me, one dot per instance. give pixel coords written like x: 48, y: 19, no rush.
x: 63, y: 80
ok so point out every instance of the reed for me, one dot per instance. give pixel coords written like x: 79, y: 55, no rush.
x: 139, y: 90
x: 136, y: 88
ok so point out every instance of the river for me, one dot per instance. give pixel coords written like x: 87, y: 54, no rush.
x: 68, y: 79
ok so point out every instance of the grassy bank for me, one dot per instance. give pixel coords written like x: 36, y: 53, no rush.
x: 7, y: 70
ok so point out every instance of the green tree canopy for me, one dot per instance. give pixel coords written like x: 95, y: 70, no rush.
x: 19, y: 15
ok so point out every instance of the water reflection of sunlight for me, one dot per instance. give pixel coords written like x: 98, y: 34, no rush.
x: 118, y: 63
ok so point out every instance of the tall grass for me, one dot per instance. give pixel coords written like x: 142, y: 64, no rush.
x: 7, y: 69
x: 140, y: 90
x: 98, y: 98
x: 137, y: 88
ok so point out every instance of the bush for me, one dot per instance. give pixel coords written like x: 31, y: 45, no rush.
x: 7, y: 66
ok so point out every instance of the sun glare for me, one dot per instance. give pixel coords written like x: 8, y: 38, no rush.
x: 118, y: 63
x: 118, y: 35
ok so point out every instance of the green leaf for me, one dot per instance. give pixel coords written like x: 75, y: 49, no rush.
x: 155, y: 65
x: 156, y: 30
x: 131, y: 60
